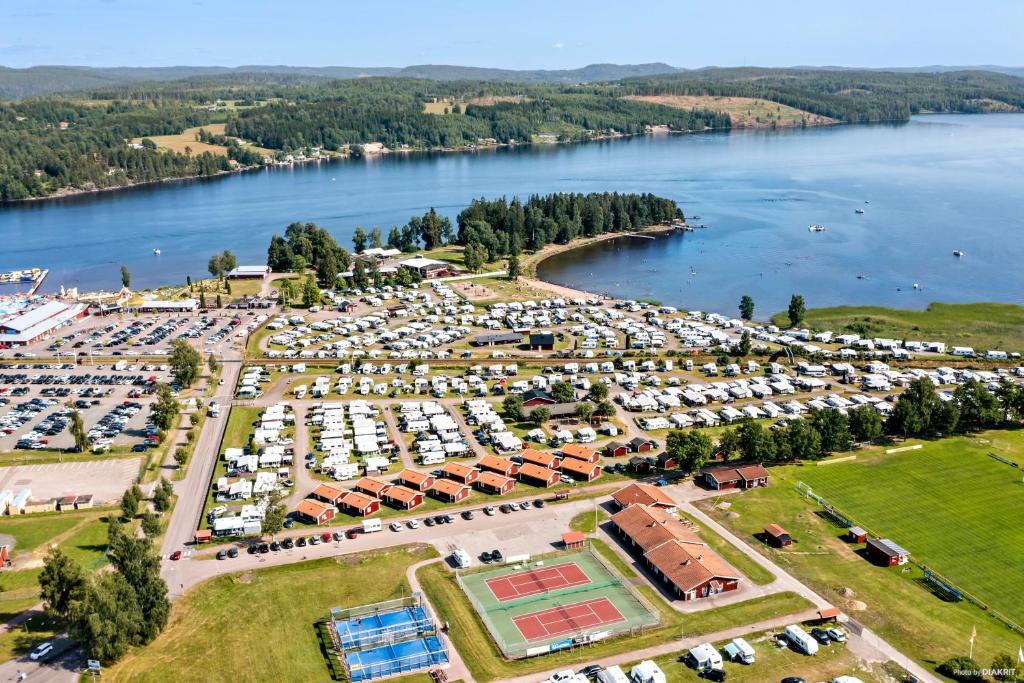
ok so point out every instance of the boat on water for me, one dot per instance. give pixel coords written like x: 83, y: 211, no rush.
x: 156, y: 251
x: 15, y: 277
x: 817, y: 227
x: 958, y: 253
x: 858, y: 210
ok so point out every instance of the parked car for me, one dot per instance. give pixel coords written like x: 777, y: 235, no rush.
x: 326, y: 537
x: 395, y: 526
x: 300, y: 542
x: 287, y: 544
x: 713, y: 674
x: 489, y: 510
x: 485, y: 557
x: 496, y: 555
x: 222, y: 554
x: 351, y: 533
x: 836, y: 634
x: 467, y: 514
x: 338, y: 536
x: 176, y: 555
x: 314, y: 540
x: 233, y: 553
x: 41, y: 651
x: 429, y: 521
x: 539, y: 503
x: 591, y: 670
x: 820, y: 635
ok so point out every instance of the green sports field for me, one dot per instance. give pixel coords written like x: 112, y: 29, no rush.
x: 955, y: 508
x: 586, y: 597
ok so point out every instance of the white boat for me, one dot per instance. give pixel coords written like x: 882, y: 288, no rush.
x: 156, y: 251
x: 817, y: 227
x: 858, y: 210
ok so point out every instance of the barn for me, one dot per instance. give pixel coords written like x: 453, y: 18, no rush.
x: 358, y: 504
x: 855, y: 534
x: 884, y: 552
x: 538, y: 475
x: 492, y: 482
x: 449, y: 491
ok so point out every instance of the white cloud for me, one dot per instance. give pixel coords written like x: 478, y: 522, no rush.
x: 558, y: 46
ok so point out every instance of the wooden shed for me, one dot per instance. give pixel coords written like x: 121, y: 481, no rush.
x: 777, y: 536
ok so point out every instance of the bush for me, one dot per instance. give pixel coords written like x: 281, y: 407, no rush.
x: 962, y: 669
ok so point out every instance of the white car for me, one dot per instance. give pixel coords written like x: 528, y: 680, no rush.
x: 836, y: 634
x: 395, y: 526
x: 413, y: 524
x: 40, y: 652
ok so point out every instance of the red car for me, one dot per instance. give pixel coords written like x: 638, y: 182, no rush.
x: 351, y: 533
x: 326, y: 537
x: 176, y: 555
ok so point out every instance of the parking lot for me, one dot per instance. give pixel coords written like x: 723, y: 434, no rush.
x: 105, y: 479
x: 36, y: 401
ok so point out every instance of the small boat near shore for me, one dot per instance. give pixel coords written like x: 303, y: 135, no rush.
x: 958, y: 253
x: 817, y: 227
x: 858, y: 210
x: 17, y: 277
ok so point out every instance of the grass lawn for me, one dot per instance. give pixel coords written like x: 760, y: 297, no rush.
x: 774, y: 664
x: 261, y: 625
x: 188, y: 138
x: 952, y: 506
x: 982, y: 325
x: 46, y: 456
x: 745, y: 112
x: 612, y: 558
x: 899, y: 606
x: 485, y: 662
x: 731, y: 554
x: 588, y: 521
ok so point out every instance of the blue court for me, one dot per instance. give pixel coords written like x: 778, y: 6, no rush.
x: 382, y: 627
x: 387, y: 660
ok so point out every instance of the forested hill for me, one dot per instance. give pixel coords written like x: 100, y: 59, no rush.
x: 113, y: 135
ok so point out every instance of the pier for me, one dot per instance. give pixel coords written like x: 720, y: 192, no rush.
x: 39, y: 281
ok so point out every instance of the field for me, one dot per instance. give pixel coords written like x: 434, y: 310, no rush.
x: 952, y: 506
x: 745, y: 112
x: 187, y: 138
x: 259, y: 625
x: 982, y: 325
x: 896, y: 605
x: 485, y: 662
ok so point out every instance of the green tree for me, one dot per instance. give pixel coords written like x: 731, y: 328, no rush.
x: 563, y: 392
x: 228, y: 262
x: 211, y: 363
x: 512, y: 407
x: 299, y: 264
x: 310, y: 292
x: 604, y: 409
x: 597, y: 392
x: 180, y: 456
x: 979, y: 407
x: 60, y: 582
x: 513, y: 269
x: 273, y: 518
x: 215, y: 266
x: 375, y: 238
x: 692, y: 448
x: 151, y: 525
x: 126, y: 277
x: 865, y: 423
x: 833, y: 428
x: 802, y: 441
x: 915, y: 410
x: 136, y: 560
x: 162, y: 497
x: 106, y: 619
x: 359, y: 240
x: 129, y: 504
x: 1004, y: 668
x: 286, y: 293
x: 185, y: 362
x: 584, y: 410
x: 79, y: 432
x: 220, y: 302
x: 540, y: 415
x: 797, y: 310
x: 164, y: 411
x: 745, y: 343
x: 1011, y: 398
x: 747, y: 307
x: 729, y: 443
x: 327, y: 272
x: 755, y: 442
x: 202, y: 299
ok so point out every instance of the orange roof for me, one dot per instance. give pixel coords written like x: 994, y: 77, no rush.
x: 328, y: 491
x: 459, y: 470
x: 373, y: 486
x: 537, y: 472
x: 493, y: 480
x: 413, y: 477
x: 579, y: 466
x: 493, y: 462
x: 357, y: 500
x: 540, y: 457
x: 575, y: 450
x: 775, y: 530
x: 651, y: 527
x: 642, y: 494
x: 573, y: 537
x: 448, y: 487
x: 402, y: 494
x: 828, y: 613
x: 687, y: 565
x: 313, y: 508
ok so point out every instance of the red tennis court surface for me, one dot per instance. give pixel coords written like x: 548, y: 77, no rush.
x: 534, y: 581
x: 568, y: 619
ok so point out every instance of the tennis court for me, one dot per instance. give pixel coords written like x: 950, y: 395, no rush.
x: 572, y: 618
x: 375, y: 628
x: 388, y: 660
x: 533, y: 581
x: 566, y: 599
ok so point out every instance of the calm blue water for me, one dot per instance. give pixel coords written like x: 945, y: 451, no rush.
x: 936, y: 184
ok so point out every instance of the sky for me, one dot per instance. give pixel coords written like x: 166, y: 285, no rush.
x: 525, y: 34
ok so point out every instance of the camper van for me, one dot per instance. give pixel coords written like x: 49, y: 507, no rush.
x: 801, y: 640
x: 739, y: 650
x: 705, y: 657
x: 647, y: 672
x: 213, y: 410
x: 372, y: 525
x: 613, y: 674
x: 436, y: 458
x: 461, y: 558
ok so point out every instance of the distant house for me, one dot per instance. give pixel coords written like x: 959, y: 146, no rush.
x: 573, y: 540
x: 550, y: 460
x: 415, y: 480
x: 537, y: 397
x: 855, y: 534
x: 542, y: 341
x: 502, y: 466
x: 494, y: 483
x: 644, y: 494
x: 616, y: 449
x: 449, y: 491
x: 777, y: 536
x: 359, y: 504
x: 403, y: 498
x: 638, y: 444
x: 315, y: 511
x: 667, y: 461
x: 578, y: 452
x: 884, y: 552
x: 581, y: 470
x: 375, y: 488
x: 742, y: 477
x: 248, y: 273
x: 426, y: 267
x: 460, y: 473
x: 538, y: 475
x: 497, y: 339
x: 328, y: 493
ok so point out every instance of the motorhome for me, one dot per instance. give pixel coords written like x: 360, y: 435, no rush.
x: 801, y: 640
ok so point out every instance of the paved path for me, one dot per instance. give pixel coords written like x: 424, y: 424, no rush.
x: 456, y: 669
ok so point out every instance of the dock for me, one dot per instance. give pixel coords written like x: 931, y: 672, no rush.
x: 39, y: 281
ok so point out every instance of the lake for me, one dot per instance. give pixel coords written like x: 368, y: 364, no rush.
x: 935, y: 185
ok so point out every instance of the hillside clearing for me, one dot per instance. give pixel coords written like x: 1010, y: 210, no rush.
x: 745, y: 112
x: 189, y: 138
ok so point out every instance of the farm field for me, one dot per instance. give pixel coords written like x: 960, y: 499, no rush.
x: 213, y: 628
x: 745, y: 112
x: 896, y: 605
x: 952, y: 506
x: 187, y: 138
x: 982, y: 325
